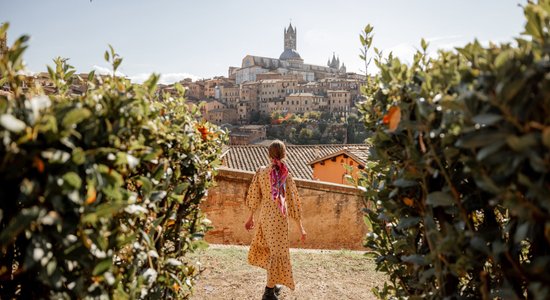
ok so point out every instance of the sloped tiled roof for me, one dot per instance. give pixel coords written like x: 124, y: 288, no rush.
x: 358, y: 153
x: 252, y: 157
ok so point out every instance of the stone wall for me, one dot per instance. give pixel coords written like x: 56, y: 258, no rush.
x: 332, y: 213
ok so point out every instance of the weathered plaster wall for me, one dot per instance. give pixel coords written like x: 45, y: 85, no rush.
x: 331, y: 170
x: 332, y: 213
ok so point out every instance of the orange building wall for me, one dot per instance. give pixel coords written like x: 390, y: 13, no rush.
x: 334, y: 171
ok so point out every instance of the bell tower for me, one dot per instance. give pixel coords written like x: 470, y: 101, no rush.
x: 290, y: 38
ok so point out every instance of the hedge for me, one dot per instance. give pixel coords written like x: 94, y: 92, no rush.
x: 458, y: 183
x: 100, y: 191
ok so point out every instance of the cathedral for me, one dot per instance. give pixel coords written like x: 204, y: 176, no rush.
x: 289, y: 63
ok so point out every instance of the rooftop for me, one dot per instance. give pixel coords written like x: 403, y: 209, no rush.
x: 357, y: 153
x: 302, y: 94
x: 252, y: 157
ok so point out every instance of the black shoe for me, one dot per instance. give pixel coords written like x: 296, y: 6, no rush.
x: 277, y: 289
x: 269, y: 294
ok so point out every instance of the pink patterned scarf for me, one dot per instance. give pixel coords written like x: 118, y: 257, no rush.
x: 279, y: 173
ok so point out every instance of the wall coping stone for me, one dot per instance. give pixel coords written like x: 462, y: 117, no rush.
x: 241, y: 175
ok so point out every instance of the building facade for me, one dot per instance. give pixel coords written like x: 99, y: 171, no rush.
x: 289, y: 63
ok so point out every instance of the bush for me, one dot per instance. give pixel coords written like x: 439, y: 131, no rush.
x: 458, y: 183
x: 100, y: 191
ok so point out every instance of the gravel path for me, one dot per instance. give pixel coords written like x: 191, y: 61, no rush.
x: 319, y: 274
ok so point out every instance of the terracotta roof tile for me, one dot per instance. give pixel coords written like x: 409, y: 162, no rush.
x: 252, y: 157
x: 358, y: 152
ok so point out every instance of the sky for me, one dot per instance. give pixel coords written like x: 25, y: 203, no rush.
x: 202, y: 38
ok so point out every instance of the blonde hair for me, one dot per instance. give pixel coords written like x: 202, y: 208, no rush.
x: 277, y: 150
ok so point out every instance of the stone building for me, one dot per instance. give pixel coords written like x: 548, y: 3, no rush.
x: 218, y: 113
x: 249, y: 91
x: 245, y: 108
x: 339, y: 101
x: 275, y: 75
x: 194, y: 90
x: 349, y: 84
x: 248, y: 134
x: 221, y: 116
x: 230, y: 95
x: 303, y: 102
x: 289, y: 63
x: 232, y: 72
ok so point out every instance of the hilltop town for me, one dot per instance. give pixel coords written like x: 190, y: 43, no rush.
x: 264, y: 87
x: 261, y: 89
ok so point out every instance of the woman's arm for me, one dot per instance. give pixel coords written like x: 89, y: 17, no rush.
x: 295, y: 205
x: 252, y: 200
x: 250, y: 223
x: 303, y: 233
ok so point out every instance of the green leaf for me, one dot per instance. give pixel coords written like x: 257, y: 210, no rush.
x: 78, y: 156
x: 487, y: 119
x: 51, y: 72
x: 368, y: 222
x: 180, y: 89
x: 408, y: 222
x: 520, y: 144
x: 120, y: 294
x: 146, y: 185
x: 478, y: 243
x: 116, y: 63
x: 424, y: 44
x: 414, y: 259
x: 480, y: 139
x: 104, y: 210
x: 73, y: 180
x: 51, y: 267
x: 21, y: 222
x: 158, y: 195
x: 103, y: 266
x: 404, y: 183
x: 436, y: 199
x: 91, y: 76
x: 509, y: 89
x: 487, y: 184
x: 76, y: 116
x: 489, y: 150
x: 69, y: 75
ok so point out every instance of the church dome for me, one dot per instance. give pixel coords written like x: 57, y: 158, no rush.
x: 289, y: 54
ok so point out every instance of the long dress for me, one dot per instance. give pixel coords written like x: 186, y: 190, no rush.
x: 270, y: 246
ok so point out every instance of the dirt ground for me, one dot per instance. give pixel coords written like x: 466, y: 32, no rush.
x: 319, y: 274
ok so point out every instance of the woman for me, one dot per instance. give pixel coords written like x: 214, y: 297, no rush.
x: 274, y: 191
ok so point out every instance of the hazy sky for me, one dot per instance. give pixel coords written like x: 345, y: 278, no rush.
x: 203, y: 38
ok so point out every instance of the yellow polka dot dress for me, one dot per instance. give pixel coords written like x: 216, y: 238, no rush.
x: 270, y: 245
